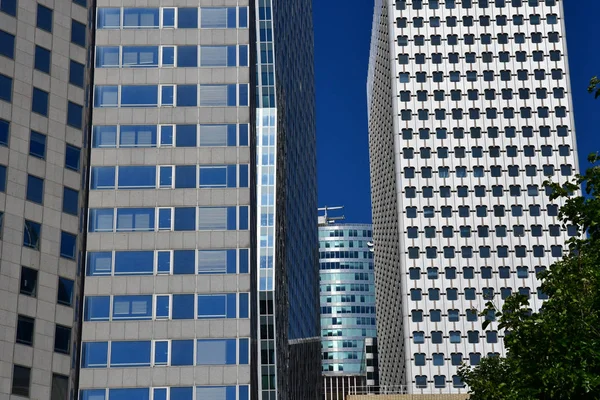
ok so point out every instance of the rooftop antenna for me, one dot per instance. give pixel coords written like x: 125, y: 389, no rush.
x: 325, y: 219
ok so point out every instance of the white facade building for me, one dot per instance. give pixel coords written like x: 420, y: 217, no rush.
x: 469, y: 113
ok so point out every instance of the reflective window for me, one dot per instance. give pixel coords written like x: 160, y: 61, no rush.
x: 9, y: 7
x: 132, y: 307
x: 109, y: 18
x: 216, y: 352
x: 94, y: 355
x: 134, y: 56
x: 44, y: 18
x: 140, y: 18
x: 97, y: 308
x: 103, y: 178
x: 5, y: 88
x: 4, y: 135
x: 35, y: 189
x: 72, y: 157
x: 139, y: 95
x: 76, y: 73
x: 107, y: 56
x: 78, y: 33
x: 65, y: 291
x: 32, y: 232
x: 41, y: 59
x: 68, y: 244
x: 39, y: 101
x: 37, y: 145
x: 74, y: 115
x: 187, y: 56
x: 62, y: 339
x: 104, y: 136
x: 134, y: 262
x: 136, y: 177
x: 135, y: 219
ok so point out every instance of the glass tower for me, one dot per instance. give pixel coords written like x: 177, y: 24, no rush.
x: 469, y: 113
x: 347, y: 305
x: 157, y: 207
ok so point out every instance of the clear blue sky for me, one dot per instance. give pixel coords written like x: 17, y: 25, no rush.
x: 342, y: 37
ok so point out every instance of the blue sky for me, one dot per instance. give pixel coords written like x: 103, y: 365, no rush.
x: 342, y: 37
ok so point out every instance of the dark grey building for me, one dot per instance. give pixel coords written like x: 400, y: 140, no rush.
x: 157, y: 201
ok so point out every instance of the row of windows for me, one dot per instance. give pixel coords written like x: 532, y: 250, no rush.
x: 170, y: 176
x: 345, y: 254
x: 522, y: 272
x: 344, y: 276
x: 493, y: 152
x: 342, y: 243
x: 171, y: 56
x: 491, y: 132
x: 481, y: 211
x: 35, y: 194
x: 483, y: 231
x: 453, y: 315
x: 21, y: 377
x: 439, y: 381
x: 342, y: 355
x: 229, y: 95
x: 487, y: 293
x: 168, y: 218
x: 177, y: 306
x: 165, y: 352
x: 432, y: 252
x: 462, y: 191
x: 342, y: 344
x: 483, y: 39
x: 454, y: 337
x: 347, y: 322
x: 37, y: 148
x: 105, y: 136
x: 467, y: 4
x: 347, y: 298
x: 348, y: 310
x: 348, y: 332
x: 40, y: 101
x: 488, y: 76
x: 483, y: 20
x: 491, y: 113
x: 32, y: 238
x: 169, y: 393
x: 164, y: 262
x: 495, y: 171
x: 172, y: 17
x: 345, y: 233
x: 345, y: 265
x: 485, y: 56
x: 26, y: 334
x: 29, y: 286
x: 474, y: 94
x: 349, y: 287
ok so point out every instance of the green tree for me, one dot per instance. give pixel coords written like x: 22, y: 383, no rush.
x: 553, y: 353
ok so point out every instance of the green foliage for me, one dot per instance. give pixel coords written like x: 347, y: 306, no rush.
x: 554, y: 353
x: 594, y: 86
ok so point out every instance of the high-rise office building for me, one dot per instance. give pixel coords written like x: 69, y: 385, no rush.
x: 469, y: 113
x: 347, y: 306
x: 157, y: 201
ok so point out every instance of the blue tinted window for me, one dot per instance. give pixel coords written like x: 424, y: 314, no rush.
x: 132, y: 307
x: 109, y: 18
x: 2, y: 178
x: 78, y: 33
x: 185, y: 175
x: 65, y: 291
x: 187, y: 18
x: 44, y: 18
x: 5, y: 88
x: 244, y: 352
x: 187, y: 95
x: 137, y: 177
x: 140, y: 18
x: 182, y: 351
x: 107, y: 56
x: 74, y: 115
x: 213, y: 306
x: 129, y: 394
x: 72, y: 156
x: 76, y: 73
x: 243, y: 95
x: 97, y: 308
x: 216, y: 352
x: 168, y: 56
x: 35, y: 189
x: 103, y: 178
x: 182, y: 393
x: 187, y: 56
x: 183, y: 306
x: 185, y: 219
x: 68, y: 244
x: 243, y: 17
x: 99, y: 263
x: 32, y: 232
x: 244, y: 305
x: 9, y: 7
x: 134, y: 263
x: 130, y: 354
x: 214, y: 17
x: 82, y: 3
x: 163, y: 261
x: 140, y: 56
x: 243, y: 56
x: 93, y: 394
x: 244, y: 261
x: 101, y: 220
x: 94, y: 355
x: 7, y: 44
x: 135, y: 219
x: 39, y: 101
x: 37, y: 145
x: 186, y: 137
x: 243, y: 218
x: 184, y: 262
x: 216, y: 261
x: 42, y: 59
x: 163, y: 306
x: 4, y: 132
x: 104, y: 136
x: 243, y: 135
x: 137, y: 136
x: 106, y: 96
x: 139, y: 96
x: 244, y: 176
x: 168, y: 15
x: 214, y: 176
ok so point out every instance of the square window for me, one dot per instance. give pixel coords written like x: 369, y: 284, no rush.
x: 5, y: 88
x: 76, y: 73
x: 35, y: 189
x: 37, y: 145
x: 74, y: 115
x: 72, y: 157
x: 65, y: 291
x: 32, y: 232
x: 39, y: 102
x: 7, y: 45
x: 70, y: 201
x: 42, y: 59
x: 20, y: 380
x: 62, y: 339
x: 78, y: 33
x: 25, y: 329
x: 68, y: 245
x: 28, y: 282
x: 44, y: 18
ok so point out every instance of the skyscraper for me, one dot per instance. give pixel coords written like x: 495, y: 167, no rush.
x: 469, y: 113
x: 347, y: 306
x: 192, y: 269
